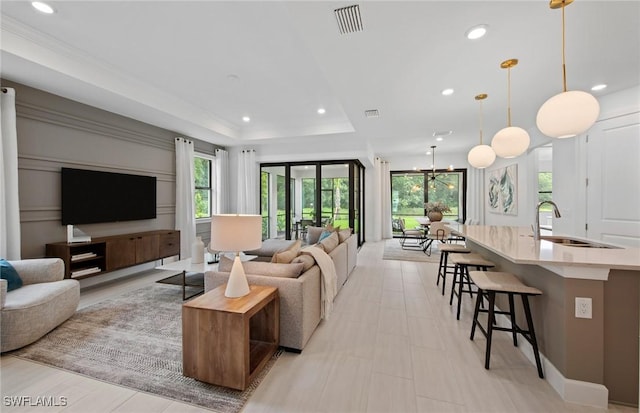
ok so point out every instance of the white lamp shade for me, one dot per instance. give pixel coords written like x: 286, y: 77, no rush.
x: 481, y: 156
x: 510, y: 142
x: 230, y: 232
x: 568, y: 114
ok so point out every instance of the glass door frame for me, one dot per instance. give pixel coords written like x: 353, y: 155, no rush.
x: 353, y: 202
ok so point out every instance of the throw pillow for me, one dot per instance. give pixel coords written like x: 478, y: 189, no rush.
x: 313, y: 234
x: 324, y: 235
x: 264, y: 268
x: 7, y: 272
x: 343, y: 234
x: 330, y: 243
x: 287, y: 255
x: 307, y: 260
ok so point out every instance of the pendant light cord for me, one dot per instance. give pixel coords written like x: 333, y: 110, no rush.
x: 480, y: 122
x: 509, y: 96
x: 564, y: 68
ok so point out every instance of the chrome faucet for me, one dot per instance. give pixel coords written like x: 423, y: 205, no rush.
x: 556, y: 212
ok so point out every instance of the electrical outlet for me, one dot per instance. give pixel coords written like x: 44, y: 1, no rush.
x: 583, y: 307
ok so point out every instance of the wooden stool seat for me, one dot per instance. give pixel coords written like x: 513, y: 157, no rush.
x: 462, y: 263
x: 473, y: 259
x: 444, y: 267
x: 491, y: 283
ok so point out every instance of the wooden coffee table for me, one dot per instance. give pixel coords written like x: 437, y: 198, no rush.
x: 227, y: 341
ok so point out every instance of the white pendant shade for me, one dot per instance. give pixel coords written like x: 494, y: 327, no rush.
x: 568, y: 114
x: 510, y: 142
x: 481, y: 156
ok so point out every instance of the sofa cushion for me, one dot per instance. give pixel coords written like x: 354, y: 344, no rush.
x: 270, y: 269
x: 343, y: 234
x: 305, y: 259
x: 330, y: 243
x: 270, y: 246
x: 7, y: 272
x: 287, y: 255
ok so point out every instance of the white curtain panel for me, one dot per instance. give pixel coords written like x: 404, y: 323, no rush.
x: 185, y: 213
x: 475, y: 203
x: 223, y: 199
x: 385, y: 199
x: 247, y: 182
x: 9, y: 205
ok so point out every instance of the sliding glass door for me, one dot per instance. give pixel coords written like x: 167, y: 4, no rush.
x: 318, y: 194
x: 410, y: 190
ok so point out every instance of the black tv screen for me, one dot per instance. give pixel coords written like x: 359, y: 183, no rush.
x: 94, y: 196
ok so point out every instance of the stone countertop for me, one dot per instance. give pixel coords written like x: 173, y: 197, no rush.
x: 517, y: 245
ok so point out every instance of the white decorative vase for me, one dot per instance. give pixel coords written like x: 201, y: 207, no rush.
x: 197, y: 251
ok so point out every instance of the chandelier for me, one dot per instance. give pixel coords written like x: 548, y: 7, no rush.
x: 437, y: 177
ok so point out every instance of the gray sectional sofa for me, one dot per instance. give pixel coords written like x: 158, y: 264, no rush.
x: 299, y: 295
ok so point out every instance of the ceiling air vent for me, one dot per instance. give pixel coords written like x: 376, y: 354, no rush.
x: 372, y: 113
x: 349, y: 20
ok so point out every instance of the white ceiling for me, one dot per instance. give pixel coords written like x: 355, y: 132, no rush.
x: 171, y: 64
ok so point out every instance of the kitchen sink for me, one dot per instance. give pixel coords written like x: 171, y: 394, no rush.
x: 572, y: 242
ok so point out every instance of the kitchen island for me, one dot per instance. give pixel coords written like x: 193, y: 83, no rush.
x: 587, y: 360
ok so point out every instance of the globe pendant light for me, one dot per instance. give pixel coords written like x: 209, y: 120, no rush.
x: 569, y: 113
x: 511, y: 141
x: 481, y: 156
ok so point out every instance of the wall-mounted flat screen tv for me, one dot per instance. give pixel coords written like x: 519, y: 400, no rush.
x: 94, y: 196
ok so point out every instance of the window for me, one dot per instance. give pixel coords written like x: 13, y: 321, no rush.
x: 545, y: 180
x: 410, y: 191
x: 202, y: 165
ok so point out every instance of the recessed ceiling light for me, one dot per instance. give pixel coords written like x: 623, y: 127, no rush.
x: 599, y: 87
x: 439, y: 138
x: 476, y: 32
x: 321, y: 111
x: 42, y: 7
x: 428, y: 153
x: 246, y: 119
x: 447, y: 92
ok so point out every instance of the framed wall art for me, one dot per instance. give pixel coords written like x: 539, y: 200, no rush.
x: 503, y: 190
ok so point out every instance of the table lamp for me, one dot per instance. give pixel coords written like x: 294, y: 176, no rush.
x: 236, y: 233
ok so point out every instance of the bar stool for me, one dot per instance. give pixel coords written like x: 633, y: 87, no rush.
x: 462, y: 263
x: 490, y: 283
x: 445, y: 268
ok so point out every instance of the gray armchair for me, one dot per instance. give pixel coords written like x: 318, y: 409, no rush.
x: 44, y: 301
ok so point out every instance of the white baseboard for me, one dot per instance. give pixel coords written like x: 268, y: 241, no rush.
x: 572, y: 391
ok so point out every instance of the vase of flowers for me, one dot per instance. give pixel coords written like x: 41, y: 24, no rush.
x: 435, y: 210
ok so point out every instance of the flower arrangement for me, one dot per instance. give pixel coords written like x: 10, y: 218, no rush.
x: 436, y: 207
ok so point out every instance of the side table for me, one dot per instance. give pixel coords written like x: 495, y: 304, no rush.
x: 227, y: 341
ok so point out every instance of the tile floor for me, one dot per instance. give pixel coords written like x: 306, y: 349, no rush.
x: 392, y: 345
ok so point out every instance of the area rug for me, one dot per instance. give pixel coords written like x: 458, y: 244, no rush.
x: 394, y: 251
x: 135, y: 340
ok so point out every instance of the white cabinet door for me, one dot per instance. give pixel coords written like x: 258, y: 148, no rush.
x: 613, y: 170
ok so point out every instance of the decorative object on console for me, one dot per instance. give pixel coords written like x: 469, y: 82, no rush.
x: 568, y: 113
x: 511, y: 141
x: 197, y: 251
x: 236, y: 232
x: 481, y: 156
x: 75, y: 235
x: 503, y: 190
